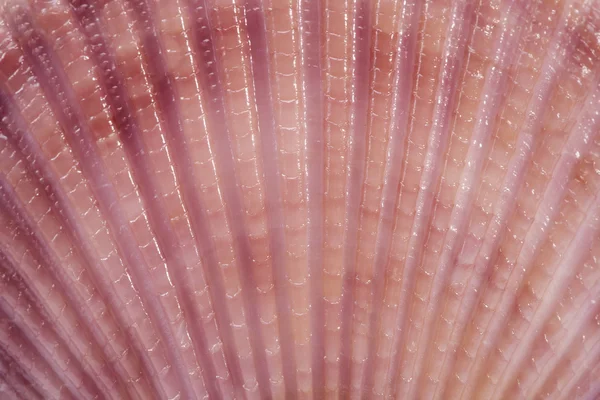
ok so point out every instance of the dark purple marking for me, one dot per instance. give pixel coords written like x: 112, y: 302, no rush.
x: 52, y: 78
x: 361, y: 57
x: 15, y: 129
x: 166, y: 96
x: 259, y: 58
x: 129, y: 132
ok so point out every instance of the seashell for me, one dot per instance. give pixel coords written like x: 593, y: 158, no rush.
x: 299, y: 199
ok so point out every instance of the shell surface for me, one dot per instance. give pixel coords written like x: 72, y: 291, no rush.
x: 260, y: 199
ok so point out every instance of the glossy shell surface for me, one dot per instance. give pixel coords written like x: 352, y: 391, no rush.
x: 299, y: 199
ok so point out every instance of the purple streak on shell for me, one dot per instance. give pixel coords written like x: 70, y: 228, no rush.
x: 563, y: 43
x: 13, y: 372
x: 259, y: 54
x: 17, y: 214
x: 60, y: 95
x: 578, y: 249
x: 14, y: 128
x: 452, y: 60
x: 495, y: 85
x: 191, y: 196
x: 361, y: 56
x: 208, y: 66
x: 16, y: 385
x: 585, y: 316
x: 577, y: 146
x: 492, y: 98
x: 33, y: 317
x: 474, y: 213
x: 403, y: 85
x: 27, y: 347
x: 131, y: 137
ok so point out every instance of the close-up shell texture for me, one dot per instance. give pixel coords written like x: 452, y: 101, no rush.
x: 300, y: 199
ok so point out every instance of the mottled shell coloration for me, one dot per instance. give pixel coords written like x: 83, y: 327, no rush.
x: 300, y: 199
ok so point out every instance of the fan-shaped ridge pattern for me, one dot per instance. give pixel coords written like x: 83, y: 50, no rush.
x: 299, y: 199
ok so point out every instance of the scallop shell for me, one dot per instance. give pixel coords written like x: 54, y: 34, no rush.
x: 299, y: 199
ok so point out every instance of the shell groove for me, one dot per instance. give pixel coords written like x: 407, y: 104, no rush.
x: 260, y: 199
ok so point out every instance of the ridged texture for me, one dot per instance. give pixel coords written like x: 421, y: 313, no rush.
x: 300, y: 199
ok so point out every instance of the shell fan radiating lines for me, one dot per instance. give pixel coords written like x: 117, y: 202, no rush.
x: 299, y: 199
